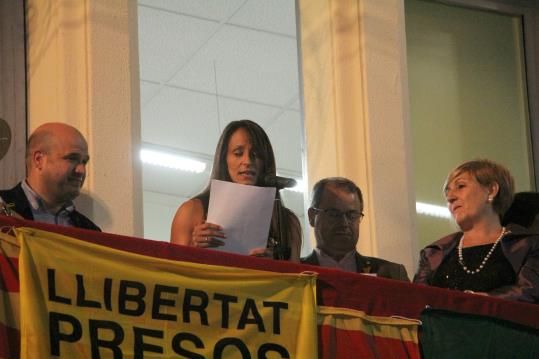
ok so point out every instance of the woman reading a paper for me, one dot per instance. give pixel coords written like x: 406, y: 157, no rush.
x: 243, y: 155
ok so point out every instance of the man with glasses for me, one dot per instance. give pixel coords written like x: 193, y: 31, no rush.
x: 335, y: 213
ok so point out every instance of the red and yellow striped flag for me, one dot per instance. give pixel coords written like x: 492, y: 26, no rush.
x: 347, y: 333
x: 9, y: 297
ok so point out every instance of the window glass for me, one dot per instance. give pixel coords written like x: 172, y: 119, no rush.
x: 467, y: 100
x: 202, y: 65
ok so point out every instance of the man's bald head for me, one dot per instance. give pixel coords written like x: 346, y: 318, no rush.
x: 46, y: 136
x: 56, y: 157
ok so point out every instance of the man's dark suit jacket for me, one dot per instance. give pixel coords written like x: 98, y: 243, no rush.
x: 381, y: 267
x: 17, y: 196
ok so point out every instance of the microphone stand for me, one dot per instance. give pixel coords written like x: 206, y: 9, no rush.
x: 281, y: 250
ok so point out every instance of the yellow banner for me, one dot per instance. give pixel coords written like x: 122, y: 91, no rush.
x: 81, y: 300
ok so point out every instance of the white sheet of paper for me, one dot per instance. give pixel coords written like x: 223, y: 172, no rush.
x: 244, y: 212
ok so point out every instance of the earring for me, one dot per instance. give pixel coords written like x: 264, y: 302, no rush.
x: 490, y: 199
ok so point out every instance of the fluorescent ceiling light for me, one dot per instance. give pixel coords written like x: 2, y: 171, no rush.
x: 432, y: 210
x: 168, y: 160
x: 173, y: 161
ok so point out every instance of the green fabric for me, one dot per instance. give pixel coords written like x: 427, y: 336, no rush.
x: 446, y: 334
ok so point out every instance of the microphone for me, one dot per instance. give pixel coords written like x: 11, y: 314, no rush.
x: 270, y: 180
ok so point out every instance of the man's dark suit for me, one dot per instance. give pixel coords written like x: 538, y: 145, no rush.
x: 17, y: 196
x: 381, y: 267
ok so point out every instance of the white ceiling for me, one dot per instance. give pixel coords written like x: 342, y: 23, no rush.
x: 204, y: 63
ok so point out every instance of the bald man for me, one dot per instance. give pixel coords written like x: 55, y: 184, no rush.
x: 56, y: 158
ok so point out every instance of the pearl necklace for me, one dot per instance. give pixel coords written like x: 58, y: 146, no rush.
x: 461, y: 259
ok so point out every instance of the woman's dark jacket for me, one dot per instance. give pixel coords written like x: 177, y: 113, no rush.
x: 520, y: 247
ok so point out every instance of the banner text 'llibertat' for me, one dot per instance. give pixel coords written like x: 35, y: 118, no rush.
x: 186, y: 306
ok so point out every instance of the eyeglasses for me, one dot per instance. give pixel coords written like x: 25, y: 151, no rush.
x: 351, y: 216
